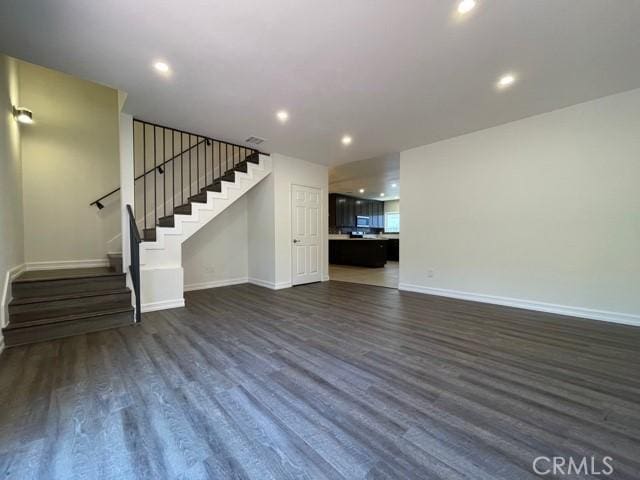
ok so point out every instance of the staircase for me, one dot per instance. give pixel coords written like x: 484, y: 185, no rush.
x: 161, y: 248
x: 49, y: 304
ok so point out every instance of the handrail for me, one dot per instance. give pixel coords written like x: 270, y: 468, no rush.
x: 134, y: 268
x: 95, y: 202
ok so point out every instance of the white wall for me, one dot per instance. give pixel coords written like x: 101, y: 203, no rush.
x: 11, y: 227
x: 270, y: 220
x: 218, y: 253
x: 541, y: 213
x: 261, y: 232
x: 70, y: 157
x: 392, y: 206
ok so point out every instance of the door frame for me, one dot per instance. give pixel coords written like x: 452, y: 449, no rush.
x: 324, y: 226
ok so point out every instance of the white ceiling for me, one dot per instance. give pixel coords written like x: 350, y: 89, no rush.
x: 374, y: 175
x: 393, y: 74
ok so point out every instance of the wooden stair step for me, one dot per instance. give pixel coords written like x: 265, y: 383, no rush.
x: 168, y: 221
x: 115, y: 262
x: 48, y: 283
x: 149, y: 234
x: 253, y: 158
x: 27, y: 309
x: 216, y: 186
x: 199, y: 197
x: 183, y: 209
x: 76, y: 324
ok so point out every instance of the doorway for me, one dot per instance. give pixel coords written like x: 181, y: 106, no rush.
x: 306, y: 223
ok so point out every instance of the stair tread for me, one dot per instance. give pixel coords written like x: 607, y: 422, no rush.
x: 54, y: 298
x: 67, y: 318
x: 65, y: 274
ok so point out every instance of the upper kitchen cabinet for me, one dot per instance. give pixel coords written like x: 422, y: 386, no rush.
x: 343, y: 211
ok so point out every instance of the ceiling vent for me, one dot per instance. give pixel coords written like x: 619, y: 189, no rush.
x: 254, y: 140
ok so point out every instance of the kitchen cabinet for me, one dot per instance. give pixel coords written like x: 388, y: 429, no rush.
x: 359, y: 252
x: 344, y: 209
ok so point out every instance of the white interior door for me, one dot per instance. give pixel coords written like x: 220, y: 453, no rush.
x: 306, y: 234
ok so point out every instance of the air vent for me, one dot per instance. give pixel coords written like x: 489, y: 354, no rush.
x: 254, y: 140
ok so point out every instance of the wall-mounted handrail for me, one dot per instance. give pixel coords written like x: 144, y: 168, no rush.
x: 154, y: 169
x: 134, y: 268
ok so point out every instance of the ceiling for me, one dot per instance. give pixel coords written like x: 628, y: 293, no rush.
x: 374, y: 175
x: 392, y: 74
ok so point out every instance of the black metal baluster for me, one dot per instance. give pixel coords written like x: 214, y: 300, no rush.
x: 219, y: 159
x: 181, y: 171
x: 205, y: 163
x: 173, y: 170
x: 144, y: 172
x: 164, y: 177
x: 226, y: 159
x: 155, y: 181
x: 197, y: 165
x: 190, y: 148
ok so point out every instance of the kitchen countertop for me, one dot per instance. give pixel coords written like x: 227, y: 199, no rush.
x: 360, y: 239
x: 346, y: 237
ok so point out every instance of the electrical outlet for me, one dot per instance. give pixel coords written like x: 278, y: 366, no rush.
x: 430, y: 273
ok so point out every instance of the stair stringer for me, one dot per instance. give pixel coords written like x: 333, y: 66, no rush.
x: 161, y: 271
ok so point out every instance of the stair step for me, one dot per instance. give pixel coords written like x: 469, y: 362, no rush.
x: 115, y: 262
x: 28, y: 309
x: 183, y: 209
x: 47, y: 283
x: 199, y: 197
x: 216, y: 186
x: 241, y: 167
x: 149, y: 234
x: 253, y: 158
x: 168, y: 221
x: 76, y: 324
x: 229, y: 176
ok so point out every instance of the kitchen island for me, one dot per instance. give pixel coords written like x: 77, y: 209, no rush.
x: 362, y: 252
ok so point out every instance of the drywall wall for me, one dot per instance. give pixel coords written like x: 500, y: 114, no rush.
x: 217, y: 254
x: 70, y: 157
x: 11, y: 228
x: 261, y: 233
x: 391, y: 206
x: 540, y: 213
x: 270, y: 220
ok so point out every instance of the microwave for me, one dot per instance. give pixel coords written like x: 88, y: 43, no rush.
x: 363, y: 222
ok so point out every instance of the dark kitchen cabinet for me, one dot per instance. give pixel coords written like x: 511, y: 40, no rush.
x: 343, y: 211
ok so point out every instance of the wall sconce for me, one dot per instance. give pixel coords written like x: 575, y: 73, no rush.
x: 23, y: 115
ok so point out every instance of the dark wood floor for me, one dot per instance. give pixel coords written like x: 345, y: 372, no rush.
x: 330, y: 380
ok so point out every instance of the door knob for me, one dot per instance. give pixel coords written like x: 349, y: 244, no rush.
x: 295, y: 241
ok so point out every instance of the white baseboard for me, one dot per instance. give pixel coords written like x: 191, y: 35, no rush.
x: 271, y: 285
x: 325, y: 278
x: 9, y: 276
x: 215, y: 284
x: 60, y: 265
x: 163, y: 305
x: 581, y: 312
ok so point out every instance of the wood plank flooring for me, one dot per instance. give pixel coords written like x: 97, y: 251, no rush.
x: 330, y: 380
x: 386, y: 276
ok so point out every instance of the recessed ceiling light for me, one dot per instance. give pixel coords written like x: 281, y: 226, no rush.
x: 506, y: 80
x: 162, y: 67
x: 361, y: 190
x: 346, y: 140
x: 382, y: 194
x: 283, y: 116
x: 465, y: 6
x: 394, y: 185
